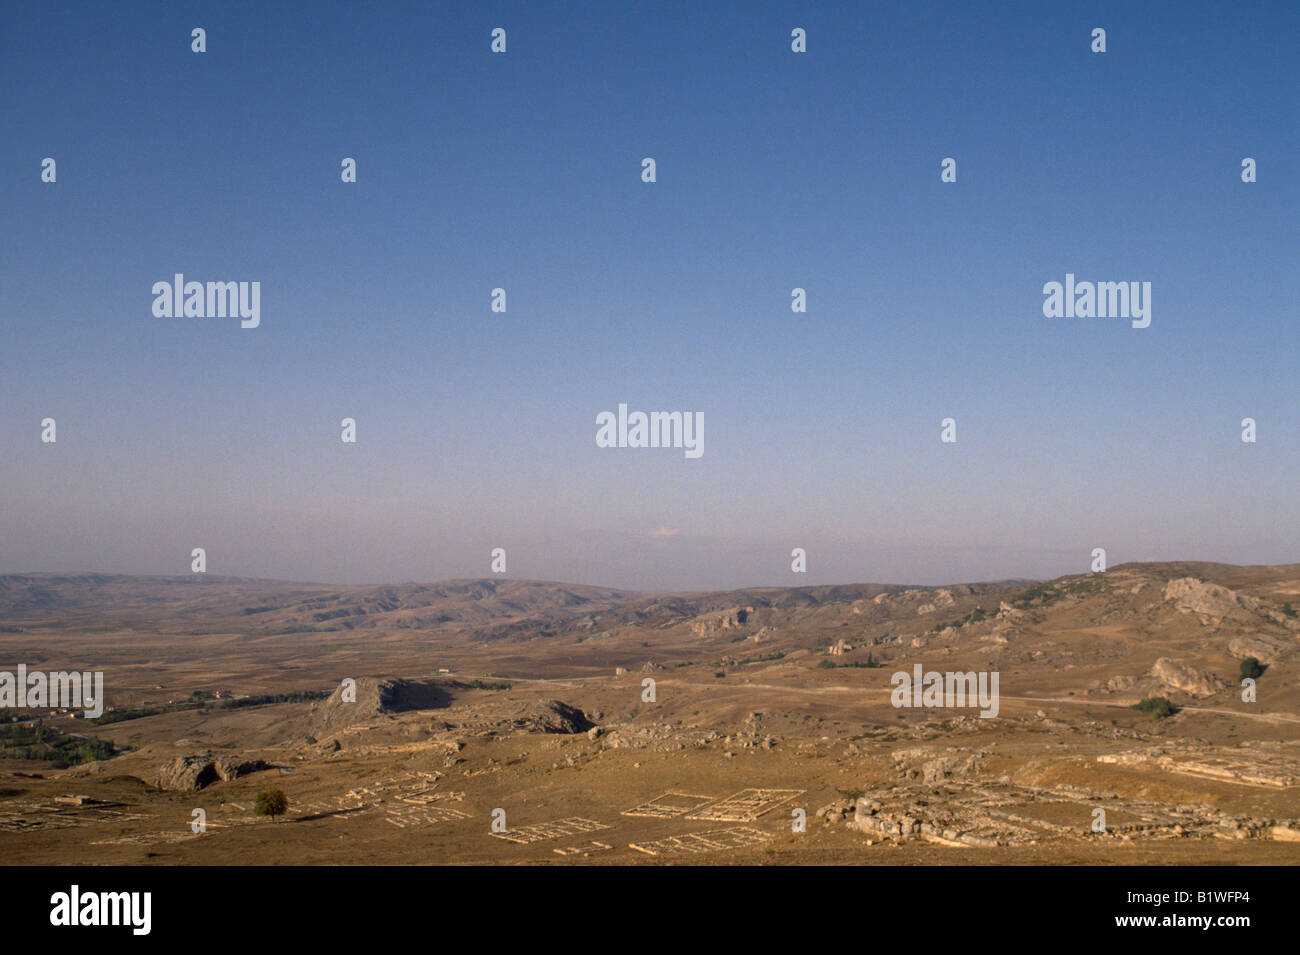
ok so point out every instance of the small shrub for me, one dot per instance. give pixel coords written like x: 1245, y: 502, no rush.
x: 1157, y: 706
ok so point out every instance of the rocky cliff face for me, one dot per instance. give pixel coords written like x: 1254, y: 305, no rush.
x: 709, y: 624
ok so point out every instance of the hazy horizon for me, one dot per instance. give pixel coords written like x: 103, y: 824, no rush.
x: 775, y: 170
x: 514, y: 578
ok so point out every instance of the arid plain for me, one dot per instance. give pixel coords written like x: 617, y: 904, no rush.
x: 511, y: 722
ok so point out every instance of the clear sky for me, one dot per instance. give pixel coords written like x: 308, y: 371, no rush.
x: 522, y: 171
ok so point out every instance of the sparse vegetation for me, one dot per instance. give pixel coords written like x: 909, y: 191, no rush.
x: 487, y: 684
x: 33, y: 740
x: 1044, y: 595
x: 137, y: 712
x: 870, y: 663
x: 761, y: 658
x: 198, y: 702
x: 975, y: 616
x: 1157, y: 706
x: 271, y: 802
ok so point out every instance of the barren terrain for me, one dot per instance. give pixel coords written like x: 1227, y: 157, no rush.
x: 474, y: 696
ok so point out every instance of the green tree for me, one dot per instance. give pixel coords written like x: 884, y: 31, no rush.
x: 1251, y: 669
x: 271, y: 802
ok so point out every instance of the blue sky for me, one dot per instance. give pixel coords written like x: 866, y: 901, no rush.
x: 522, y: 171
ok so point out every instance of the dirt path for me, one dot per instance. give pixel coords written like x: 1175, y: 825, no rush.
x: 574, y: 681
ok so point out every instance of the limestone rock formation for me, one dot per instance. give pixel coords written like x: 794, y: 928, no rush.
x: 1177, y: 675
x: 187, y: 773
x: 1219, y: 603
x: 195, y: 771
x: 1266, y: 650
x: 733, y: 619
x: 1194, y: 596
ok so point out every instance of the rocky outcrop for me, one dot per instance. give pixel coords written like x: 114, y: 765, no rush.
x: 945, y: 767
x: 932, y: 766
x: 193, y: 772
x: 374, y: 696
x: 664, y: 737
x: 1190, y: 595
x: 516, y: 716
x: 1177, y: 675
x: 232, y: 767
x: 1264, y: 649
x: 1219, y: 603
x: 734, y: 619
x: 941, y: 598
x: 552, y: 716
x: 186, y: 773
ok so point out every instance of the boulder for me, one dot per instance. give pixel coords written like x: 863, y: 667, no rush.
x: 1177, y: 675
x: 1264, y: 649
